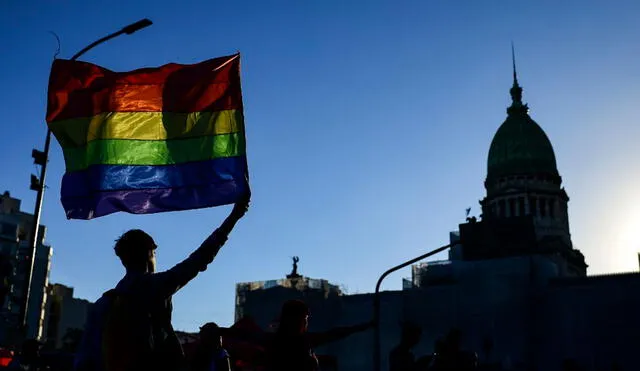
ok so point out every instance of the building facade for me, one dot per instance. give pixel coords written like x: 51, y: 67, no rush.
x: 261, y: 300
x: 65, y: 315
x: 15, y: 237
x: 513, y: 284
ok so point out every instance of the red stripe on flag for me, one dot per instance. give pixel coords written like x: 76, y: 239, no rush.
x: 81, y: 89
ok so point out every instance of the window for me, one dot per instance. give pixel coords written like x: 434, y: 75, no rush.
x: 512, y: 207
x: 502, y: 208
x: 543, y: 207
x: 521, y: 211
x: 8, y: 229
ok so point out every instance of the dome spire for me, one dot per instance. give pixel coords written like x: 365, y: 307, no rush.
x: 513, y: 60
x: 516, y: 90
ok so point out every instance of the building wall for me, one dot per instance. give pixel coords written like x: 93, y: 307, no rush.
x: 8, y: 204
x: 39, y: 282
x: 531, y: 316
x: 264, y: 306
x: 64, y: 313
x: 356, y: 351
x: 15, y: 234
x: 593, y: 320
x: 250, y: 296
x: 327, y: 312
x: 38, y: 295
x: 485, y: 300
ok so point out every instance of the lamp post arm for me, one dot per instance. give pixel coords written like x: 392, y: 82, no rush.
x: 376, y: 301
x: 125, y: 30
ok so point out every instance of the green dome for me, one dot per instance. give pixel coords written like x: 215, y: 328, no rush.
x: 520, y: 146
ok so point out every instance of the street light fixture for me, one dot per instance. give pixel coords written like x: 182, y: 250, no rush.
x: 130, y: 29
x: 134, y: 27
x: 376, y: 301
x: 42, y: 158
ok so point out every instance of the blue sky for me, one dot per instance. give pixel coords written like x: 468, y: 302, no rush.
x: 368, y: 126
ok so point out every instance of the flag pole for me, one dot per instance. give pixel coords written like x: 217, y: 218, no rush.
x: 38, y: 184
x: 376, y: 302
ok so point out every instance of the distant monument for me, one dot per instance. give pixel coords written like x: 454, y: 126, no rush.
x: 294, y: 273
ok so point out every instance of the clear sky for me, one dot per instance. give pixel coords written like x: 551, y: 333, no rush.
x: 368, y: 127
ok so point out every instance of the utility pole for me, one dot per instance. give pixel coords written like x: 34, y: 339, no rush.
x: 38, y: 184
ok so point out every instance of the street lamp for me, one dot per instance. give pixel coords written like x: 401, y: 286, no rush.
x: 376, y: 302
x: 41, y: 158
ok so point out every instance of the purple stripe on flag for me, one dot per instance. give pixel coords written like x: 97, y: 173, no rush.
x: 149, y: 201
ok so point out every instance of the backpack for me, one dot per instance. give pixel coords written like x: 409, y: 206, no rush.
x: 117, y: 335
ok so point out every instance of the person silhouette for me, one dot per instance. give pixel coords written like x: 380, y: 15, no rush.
x: 401, y: 357
x: 291, y: 347
x: 210, y: 355
x: 130, y: 327
x: 451, y: 356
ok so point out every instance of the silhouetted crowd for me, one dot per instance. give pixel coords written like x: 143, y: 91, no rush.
x: 448, y: 355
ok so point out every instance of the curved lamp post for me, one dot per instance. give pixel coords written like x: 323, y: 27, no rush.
x: 41, y: 158
x: 376, y: 301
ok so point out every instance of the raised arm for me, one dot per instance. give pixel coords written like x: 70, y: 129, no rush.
x: 338, y: 333
x: 165, y: 284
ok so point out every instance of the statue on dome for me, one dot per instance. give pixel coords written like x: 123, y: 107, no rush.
x: 294, y: 272
x: 472, y: 219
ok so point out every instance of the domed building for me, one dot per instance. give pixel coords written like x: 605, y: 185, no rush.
x: 522, y: 176
x: 525, y: 194
x: 513, y: 278
x: 513, y: 284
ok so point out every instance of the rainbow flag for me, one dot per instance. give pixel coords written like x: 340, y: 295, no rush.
x: 150, y: 140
